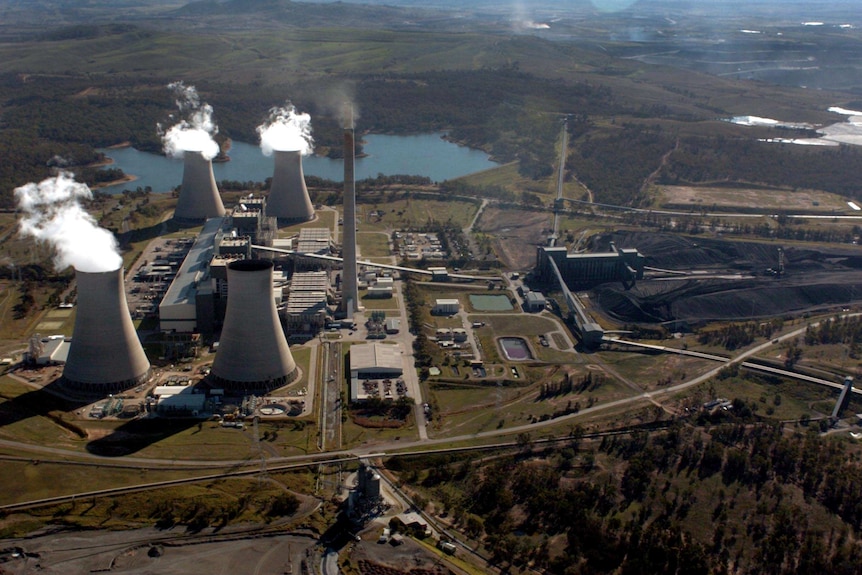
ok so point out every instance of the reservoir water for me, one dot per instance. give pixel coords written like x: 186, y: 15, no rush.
x: 418, y: 155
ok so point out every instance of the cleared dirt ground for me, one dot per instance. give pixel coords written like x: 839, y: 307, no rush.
x: 146, y: 551
x: 685, y: 197
x: 517, y: 233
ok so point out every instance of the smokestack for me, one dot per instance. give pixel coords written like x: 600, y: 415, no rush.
x: 288, y: 196
x: 253, y: 353
x: 105, y: 355
x: 199, y: 198
x: 349, y: 285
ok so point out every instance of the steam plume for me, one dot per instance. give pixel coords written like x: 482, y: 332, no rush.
x: 286, y: 131
x: 53, y: 213
x: 195, y: 130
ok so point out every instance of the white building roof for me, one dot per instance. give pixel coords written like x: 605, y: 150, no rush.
x: 376, y: 357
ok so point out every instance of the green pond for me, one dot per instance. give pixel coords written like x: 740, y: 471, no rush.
x: 490, y: 302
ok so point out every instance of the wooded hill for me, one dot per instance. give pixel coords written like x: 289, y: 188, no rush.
x: 737, y: 496
x: 99, y: 85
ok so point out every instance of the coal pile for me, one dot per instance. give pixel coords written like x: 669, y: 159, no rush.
x: 815, y: 278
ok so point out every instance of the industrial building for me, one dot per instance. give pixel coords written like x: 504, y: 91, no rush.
x: 250, y: 219
x: 288, y: 194
x: 51, y: 350
x: 306, y: 311
x: 199, y: 197
x: 373, y: 361
x: 105, y: 355
x: 314, y: 242
x: 253, y: 354
x: 188, y: 304
x: 196, y: 300
x: 179, y: 400
x: 581, y: 271
x: 446, y: 307
x: 590, y: 332
x: 534, y: 301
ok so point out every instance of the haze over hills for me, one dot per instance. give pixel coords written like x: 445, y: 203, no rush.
x: 795, y: 43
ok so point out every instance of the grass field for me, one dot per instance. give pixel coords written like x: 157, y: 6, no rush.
x: 374, y: 303
x: 414, y: 212
x: 372, y: 245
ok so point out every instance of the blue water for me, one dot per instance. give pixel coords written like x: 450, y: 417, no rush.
x: 419, y: 155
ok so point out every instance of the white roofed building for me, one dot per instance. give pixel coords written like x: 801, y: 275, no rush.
x: 373, y: 361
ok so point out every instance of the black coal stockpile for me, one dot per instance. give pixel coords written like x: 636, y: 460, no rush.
x: 739, y: 280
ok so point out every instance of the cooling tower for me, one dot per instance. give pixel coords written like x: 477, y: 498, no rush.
x: 253, y: 354
x: 288, y: 197
x: 105, y: 355
x: 199, y: 198
x: 349, y: 285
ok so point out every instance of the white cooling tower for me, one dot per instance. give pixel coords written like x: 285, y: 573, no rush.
x: 199, y: 198
x: 253, y: 354
x: 349, y: 285
x: 105, y: 355
x: 288, y: 196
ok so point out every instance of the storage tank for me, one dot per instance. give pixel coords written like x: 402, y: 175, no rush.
x: 253, y: 354
x: 288, y: 195
x: 105, y: 354
x: 199, y: 197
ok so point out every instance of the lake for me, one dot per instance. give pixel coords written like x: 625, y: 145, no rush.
x: 418, y: 155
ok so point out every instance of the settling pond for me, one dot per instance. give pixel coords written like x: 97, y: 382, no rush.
x: 484, y: 302
x: 515, y: 348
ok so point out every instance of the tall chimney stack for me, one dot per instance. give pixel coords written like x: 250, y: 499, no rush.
x: 349, y: 283
x: 288, y: 196
x: 253, y: 354
x: 105, y: 355
x: 199, y: 197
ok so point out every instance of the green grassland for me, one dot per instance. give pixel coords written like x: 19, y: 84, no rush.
x: 406, y: 211
x: 372, y: 245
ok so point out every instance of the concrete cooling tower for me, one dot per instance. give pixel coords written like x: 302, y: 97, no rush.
x: 199, y: 198
x: 253, y: 354
x: 105, y: 355
x: 288, y: 197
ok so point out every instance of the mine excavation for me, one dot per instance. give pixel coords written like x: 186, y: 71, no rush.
x: 716, y: 279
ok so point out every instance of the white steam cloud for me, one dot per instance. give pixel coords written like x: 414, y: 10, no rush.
x: 52, y: 213
x: 195, y: 130
x: 286, y: 131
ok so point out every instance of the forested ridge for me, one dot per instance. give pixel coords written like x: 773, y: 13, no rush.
x: 736, y: 496
x: 620, y: 138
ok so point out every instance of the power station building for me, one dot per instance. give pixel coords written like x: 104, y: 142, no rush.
x: 196, y: 300
x: 306, y: 311
x: 105, y: 355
